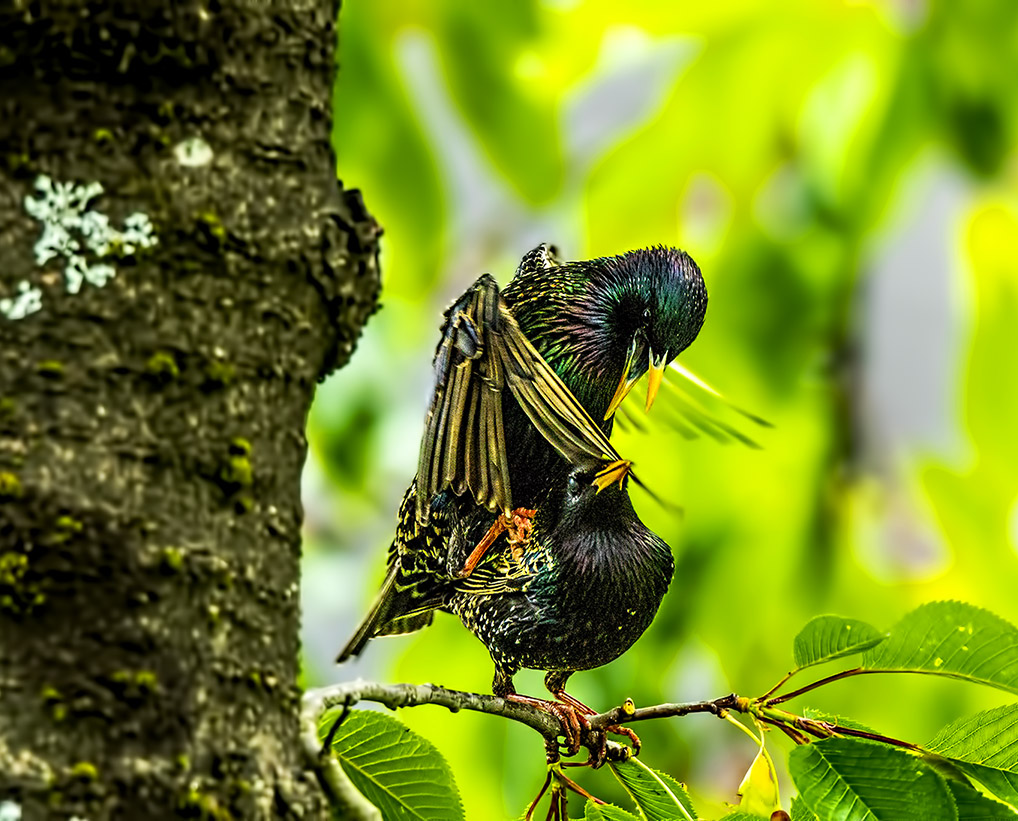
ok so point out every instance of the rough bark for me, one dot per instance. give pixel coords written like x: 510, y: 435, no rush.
x: 151, y: 424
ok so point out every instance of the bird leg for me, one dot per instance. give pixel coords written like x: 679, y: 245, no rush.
x: 517, y: 525
x: 597, y: 758
x: 574, y: 723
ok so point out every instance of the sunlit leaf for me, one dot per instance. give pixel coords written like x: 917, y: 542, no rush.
x: 658, y: 796
x: 843, y: 779
x: 831, y: 637
x: 800, y: 812
x: 759, y: 789
x: 985, y: 747
x: 974, y: 806
x: 607, y: 812
x: 397, y: 770
x: 951, y: 639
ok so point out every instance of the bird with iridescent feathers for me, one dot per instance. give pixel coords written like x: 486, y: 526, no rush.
x: 527, y: 382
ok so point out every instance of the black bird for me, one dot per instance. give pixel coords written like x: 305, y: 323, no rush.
x: 568, y: 340
x: 561, y: 333
x: 585, y: 587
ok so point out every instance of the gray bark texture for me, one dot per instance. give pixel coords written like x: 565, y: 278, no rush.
x: 161, y: 336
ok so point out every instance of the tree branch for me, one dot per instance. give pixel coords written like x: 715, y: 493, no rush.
x: 394, y: 696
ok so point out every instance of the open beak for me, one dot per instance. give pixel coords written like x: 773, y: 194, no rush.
x: 655, y: 373
x: 625, y: 383
x: 617, y: 471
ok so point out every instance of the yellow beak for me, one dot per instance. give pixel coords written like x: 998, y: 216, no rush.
x: 625, y: 384
x: 654, y: 375
x: 617, y: 471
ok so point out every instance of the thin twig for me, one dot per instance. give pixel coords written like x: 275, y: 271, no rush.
x: 855, y: 671
x: 620, y: 715
x: 837, y: 729
x: 784, y: 679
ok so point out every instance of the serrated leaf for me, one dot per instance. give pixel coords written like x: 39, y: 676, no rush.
x: 800, y: 812
x: 826, y: 638
x: 658, y: 796
x: 607, y: 812
x: 397, y: 770
x: 985, y: 747
x: 974, y: 806
x: 741, y: 815
x: 951, y: 639
x: 843, y: 779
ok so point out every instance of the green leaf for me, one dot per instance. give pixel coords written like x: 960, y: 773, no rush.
x: 832, y: 637
x: 397, y: 770
x: 951, y: 639
x: 800, y: 812
x: 985, y: 747
x: 740, y: 815
x: 607, y: 812
x: 842, y: 779
x: 658, y: 796
x: 974, y: 806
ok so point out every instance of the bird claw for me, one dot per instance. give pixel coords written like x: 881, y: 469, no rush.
x: 573, y: 723
x: 621, y: 729
x: 598, y: 748
x: 517, y: 526
x: 597, y: 740
x: 574, y: 726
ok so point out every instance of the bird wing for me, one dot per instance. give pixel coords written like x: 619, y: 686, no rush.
x: 482, y: 352
x: 505, y: 572
x: 541, y: 258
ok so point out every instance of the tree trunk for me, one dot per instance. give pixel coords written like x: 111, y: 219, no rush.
x: 161, y: 334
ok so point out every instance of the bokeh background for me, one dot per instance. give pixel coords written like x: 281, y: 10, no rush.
x: 846, y: 175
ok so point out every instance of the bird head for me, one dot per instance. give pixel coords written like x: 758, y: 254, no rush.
x: 591, y: 493
x: 655, y: 302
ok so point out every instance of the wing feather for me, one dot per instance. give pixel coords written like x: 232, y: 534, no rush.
x: 483, y: 351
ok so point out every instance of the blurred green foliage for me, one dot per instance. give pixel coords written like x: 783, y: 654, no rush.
x: 785, y: 146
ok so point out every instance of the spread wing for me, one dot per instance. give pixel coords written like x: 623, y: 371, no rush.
x: 482, y: 352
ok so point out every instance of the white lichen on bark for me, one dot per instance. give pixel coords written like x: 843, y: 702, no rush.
x: 79, y: 235
x: 193, y: 152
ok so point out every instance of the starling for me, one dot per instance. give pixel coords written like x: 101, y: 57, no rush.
x: 593, y: 326
x: 587, y: 585
x: 568, y: 340
x: 584, y: 588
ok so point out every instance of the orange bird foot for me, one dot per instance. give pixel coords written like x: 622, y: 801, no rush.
x: 517, y: 526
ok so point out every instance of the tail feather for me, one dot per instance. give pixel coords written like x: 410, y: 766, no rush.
x: 376, y: 617
x: 391, y: 613
x: 407, y: 624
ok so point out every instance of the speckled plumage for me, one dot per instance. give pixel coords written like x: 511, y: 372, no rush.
x: 587, y: 320
x: 587, y: 585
